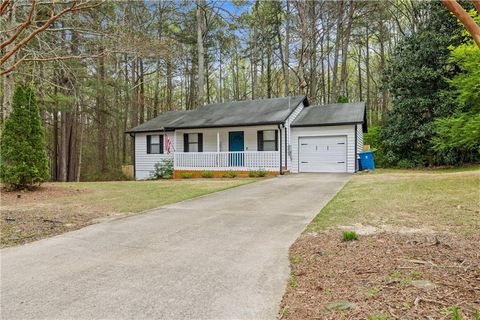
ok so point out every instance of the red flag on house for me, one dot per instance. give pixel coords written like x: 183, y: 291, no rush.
x: 167, y: 143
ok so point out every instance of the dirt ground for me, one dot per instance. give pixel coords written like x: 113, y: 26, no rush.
x: 26, y: 217
x: 382, y: 276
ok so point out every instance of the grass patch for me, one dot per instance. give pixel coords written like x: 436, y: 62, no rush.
x: 293, y: 282
x: 372, y: 292
x: 60, y: 207
x: 443, y: 201
x: 349, y: 236
x: 423, y: 170
x: 454, y: 313
x: 404, y: 279
x: 284, y: 312
x: 295, y: 259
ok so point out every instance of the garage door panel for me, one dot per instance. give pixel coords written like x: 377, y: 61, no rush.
x: 323, y: 154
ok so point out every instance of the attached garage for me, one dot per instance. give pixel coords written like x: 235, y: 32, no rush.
x: 323, y: 154
x: 328, y: 138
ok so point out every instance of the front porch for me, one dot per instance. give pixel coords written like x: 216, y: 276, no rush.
x: 227, y: 160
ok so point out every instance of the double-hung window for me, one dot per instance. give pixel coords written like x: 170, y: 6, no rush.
x: 193, y: 142
x: 267, y: 140
x: 154, y: 144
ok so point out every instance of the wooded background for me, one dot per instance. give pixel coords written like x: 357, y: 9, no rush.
x: 102, y: 70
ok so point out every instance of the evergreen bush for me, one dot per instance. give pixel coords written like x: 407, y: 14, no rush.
x: 24, y: 162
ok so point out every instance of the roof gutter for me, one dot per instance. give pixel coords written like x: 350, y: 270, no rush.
x: 325, y: 124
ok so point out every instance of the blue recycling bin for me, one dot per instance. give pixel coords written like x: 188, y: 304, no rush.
x: 366, y: 160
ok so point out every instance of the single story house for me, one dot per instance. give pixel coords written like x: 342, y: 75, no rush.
x: 276, y: 135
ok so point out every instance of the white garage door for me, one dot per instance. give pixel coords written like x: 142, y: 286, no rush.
x: 323, y: 154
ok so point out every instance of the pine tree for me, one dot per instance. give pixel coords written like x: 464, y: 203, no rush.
x: 23, y: 161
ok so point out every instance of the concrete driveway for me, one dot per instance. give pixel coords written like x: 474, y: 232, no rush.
x: 222, y: 256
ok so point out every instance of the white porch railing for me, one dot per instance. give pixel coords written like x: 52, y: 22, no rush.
x: 221, y: 161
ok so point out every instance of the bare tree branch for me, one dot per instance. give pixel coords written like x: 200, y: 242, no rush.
x: 476, y: 4
x: 72, y: 8
x: 462, y: 15
x: 20, y: 28
x: 46, y: 59
x: 4, y: 6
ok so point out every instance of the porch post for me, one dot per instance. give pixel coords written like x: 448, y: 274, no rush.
x: 174, y: 149
x: 174, y: 141
x: 218, y: 141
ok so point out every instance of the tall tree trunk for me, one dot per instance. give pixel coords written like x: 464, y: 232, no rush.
x: 269, y: 73
x: 237, y: 77
x: 156, y: 92
x: 141, y: 97
x: 367, y: 71
x: 55, y: 175
x: 63, y: 147
x: 169, y: 94
x: 254, y: 62
x: 278, y: 11
x: 313, y: 50
x: 346, y: 41
x: 207, y: 77
x: 10, y: 23
x: 337, y: 51
x: 359, y: 66
x: 80, y: 146
x: 287, y: 49
x: 192, y: 104
x: 125, y: 111
x: 101, y: 119
x: 134, y: 109
x: 322, y: 69
x: 200, y: 53
x: 381, y: 40
x: 220, y: 80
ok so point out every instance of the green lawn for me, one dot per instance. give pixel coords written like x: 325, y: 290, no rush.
x: 138, y: 196
x: 444, y: 201
x: 60, y: 207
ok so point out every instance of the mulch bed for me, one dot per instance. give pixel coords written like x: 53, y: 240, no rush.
x: 380, y: 276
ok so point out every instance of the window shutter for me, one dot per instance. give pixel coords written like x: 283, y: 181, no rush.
x: 260, y: 140
x: 148, y: 144
x: 200, y: 142
x: 161, y: 143
x: 276, y: 139
x: 185, y: 142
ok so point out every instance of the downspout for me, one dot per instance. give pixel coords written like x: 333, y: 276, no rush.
x: 356, y: 150
x: 286, y: 148
x: 280, y: 144
x: 133, y: 156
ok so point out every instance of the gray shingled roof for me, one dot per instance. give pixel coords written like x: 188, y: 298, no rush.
x: 331, y: 114
x: 238, y: 113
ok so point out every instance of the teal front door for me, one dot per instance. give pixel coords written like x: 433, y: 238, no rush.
x: 236, y: 143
